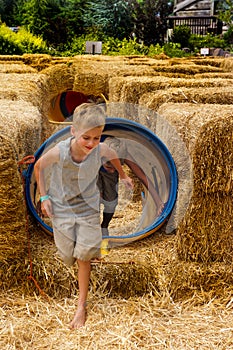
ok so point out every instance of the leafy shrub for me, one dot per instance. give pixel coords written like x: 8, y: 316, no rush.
x: 228, y: 36
x: 155, y: 50
x: 174, y: 50
x: 31, y: 43
x: 125, y: 47
x: 19, y: 43
x: 196, y: 42
x: 181, y: 35
x: 110, y: 46
x: 8, y: 42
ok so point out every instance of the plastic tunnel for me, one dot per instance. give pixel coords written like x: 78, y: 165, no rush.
x: 150, y: 154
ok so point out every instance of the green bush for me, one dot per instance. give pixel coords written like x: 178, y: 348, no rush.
x: 110, y: 46
x: 209, y: 40
x: 155, y: 50
x: 8, y: 42
x: 125, y: 47
x: 228, y: 37
x: 181, y: 35
x: 174, y: 50
x: 19, y: 43
x: 31, y: 43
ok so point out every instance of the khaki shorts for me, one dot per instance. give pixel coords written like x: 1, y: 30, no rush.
x: 77, y: 237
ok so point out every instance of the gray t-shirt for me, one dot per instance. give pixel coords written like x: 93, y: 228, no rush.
x: 73, y: 189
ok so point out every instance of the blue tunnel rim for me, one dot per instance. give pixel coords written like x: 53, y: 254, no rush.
x: 112, y: 124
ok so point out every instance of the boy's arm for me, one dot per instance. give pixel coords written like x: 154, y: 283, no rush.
x: 112, y: 156
x: 50, y: 157
x: 147, y: 183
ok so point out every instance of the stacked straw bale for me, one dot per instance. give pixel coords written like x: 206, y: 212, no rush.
x: 38, y: 61
x: 15, y: 67
x: 208, y: 61
x: 26, y: 87
x: 58, y: 78
x: 23, y: 127
x: 92, y: 77
x: 91, y: 83
x: 222, y: 75
x: 227, y: 64
x: 20, y: 136
x: 187, y: 69
x: 31, y: 88
x: 202, y: 234
x: 210, y: 95
x: 132, y: 93
x: 205, y: 232
x: 130, y: 89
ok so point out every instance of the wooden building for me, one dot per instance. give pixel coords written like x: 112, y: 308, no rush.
x: 199, y: 15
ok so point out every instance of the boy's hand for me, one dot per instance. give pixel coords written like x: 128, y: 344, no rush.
x: 128, y: 182
x: 46, y: 208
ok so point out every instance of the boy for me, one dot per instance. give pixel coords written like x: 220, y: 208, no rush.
x: 72, y: 201
x: 108, y: 181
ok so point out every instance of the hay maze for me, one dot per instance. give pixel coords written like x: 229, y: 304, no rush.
x: 169, y: 291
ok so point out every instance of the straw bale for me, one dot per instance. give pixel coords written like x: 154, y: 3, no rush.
x: 91, y: 83
x: 188, y: 118
x: 200, y: 282
x: 174, y: 75
x: 130, y: 89
x: 38, y: 61
x: 188, y: 69
x: 57, y: 78
x: 208, y: 61
x: 19, y: 67
x: 227, y: 64
x: 178, y: 126
x: 12, y: 208
x: 210, y: 95
x: 138, y: 61
x: 25, y: 86
x: 10, y: 58
x: 120, y: 68
x: 20, y: 136
x: 213, y: 157
x: 205, y: 234
x: 28, y: 87
x: 210, y: 75
x: 170, y: 128
x: 21, y: 122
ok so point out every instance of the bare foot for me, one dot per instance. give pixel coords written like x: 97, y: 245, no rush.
x: 79, y: 318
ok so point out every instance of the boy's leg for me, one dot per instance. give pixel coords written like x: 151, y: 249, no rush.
x: 105, y: 222
x: 84, y: 270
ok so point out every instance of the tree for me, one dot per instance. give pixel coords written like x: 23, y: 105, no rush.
x: 181, y: 35
x: 225, y: 14
x: 6, y: 12
x: 73, y: 11
x: 34, y: 16
x: 225, y: 11
x: 112, y: 18
x: 45, y: 18
x: 150, y: 20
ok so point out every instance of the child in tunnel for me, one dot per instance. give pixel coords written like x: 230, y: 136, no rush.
x: 108, y: 180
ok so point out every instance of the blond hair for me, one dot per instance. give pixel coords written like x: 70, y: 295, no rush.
x: 89, y: 115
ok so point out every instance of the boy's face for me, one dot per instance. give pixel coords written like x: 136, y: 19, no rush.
x: 87, y: 140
